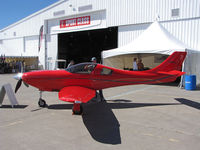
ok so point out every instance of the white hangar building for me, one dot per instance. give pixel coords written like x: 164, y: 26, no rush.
x: 81, y: 29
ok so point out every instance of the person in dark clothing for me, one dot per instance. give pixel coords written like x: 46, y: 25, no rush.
x: 94, y: 60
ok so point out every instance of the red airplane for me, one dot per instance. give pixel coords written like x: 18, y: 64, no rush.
x: 78, y: 84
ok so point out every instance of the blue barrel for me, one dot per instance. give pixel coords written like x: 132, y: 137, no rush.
x: 190, y: 82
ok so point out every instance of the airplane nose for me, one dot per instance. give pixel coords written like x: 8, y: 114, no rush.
x: 18, y: 76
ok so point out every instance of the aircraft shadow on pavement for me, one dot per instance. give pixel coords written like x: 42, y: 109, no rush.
x: 60, y: 106
x: 101, y: 122
x: 14, y: 107
x: 188, y: 103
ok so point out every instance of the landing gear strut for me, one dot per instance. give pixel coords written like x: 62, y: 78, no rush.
x: 41, y: 102
x: 77, y: 109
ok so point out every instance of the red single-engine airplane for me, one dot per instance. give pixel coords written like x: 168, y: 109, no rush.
x: 78, y: 83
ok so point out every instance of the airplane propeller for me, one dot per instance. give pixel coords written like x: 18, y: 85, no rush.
x: 26, y: 84
x: 19, y: 83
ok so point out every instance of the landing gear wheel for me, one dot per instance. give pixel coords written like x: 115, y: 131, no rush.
x: 76, y: 111
x: 41, y: 103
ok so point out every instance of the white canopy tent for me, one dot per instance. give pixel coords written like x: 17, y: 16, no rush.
x: 154, y: 42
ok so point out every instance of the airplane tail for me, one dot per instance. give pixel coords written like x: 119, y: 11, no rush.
x: 172, y: 64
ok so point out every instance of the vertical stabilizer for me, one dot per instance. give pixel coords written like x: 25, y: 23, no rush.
x: 173, y: 62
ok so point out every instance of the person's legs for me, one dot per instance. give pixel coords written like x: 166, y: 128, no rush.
x: 101, y: 95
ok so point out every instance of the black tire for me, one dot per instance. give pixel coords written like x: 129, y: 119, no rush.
x: 41, y: 103
x: 77, y: 112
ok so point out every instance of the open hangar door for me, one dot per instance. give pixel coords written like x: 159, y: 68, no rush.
x: 83, y: 45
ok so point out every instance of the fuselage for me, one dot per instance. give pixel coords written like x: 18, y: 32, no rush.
x: 99, y: 77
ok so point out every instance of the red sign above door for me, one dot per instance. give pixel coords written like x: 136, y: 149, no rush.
x: 72, y: 22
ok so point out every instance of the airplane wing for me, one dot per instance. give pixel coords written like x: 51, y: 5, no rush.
x: 76, y: 93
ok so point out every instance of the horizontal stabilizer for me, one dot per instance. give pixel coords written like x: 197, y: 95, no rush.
x: 173, y: 73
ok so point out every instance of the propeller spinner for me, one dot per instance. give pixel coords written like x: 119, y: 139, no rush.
x: 19, y: 83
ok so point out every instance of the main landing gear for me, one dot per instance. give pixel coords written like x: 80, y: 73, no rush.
x: 77, y: 109
x: 41, y: 102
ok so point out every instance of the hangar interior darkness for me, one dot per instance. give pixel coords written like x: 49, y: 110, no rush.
x: 83, y: 45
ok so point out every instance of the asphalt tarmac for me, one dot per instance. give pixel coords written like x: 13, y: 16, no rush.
x: 140, y: 117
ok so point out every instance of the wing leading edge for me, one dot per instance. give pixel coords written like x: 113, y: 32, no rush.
x: 76, y: 93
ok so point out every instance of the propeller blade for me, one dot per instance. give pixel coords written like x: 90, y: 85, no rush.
x: 19, y: 83
x: 26, y: 84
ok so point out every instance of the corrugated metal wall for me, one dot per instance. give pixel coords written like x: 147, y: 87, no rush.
x: 127, y: 34
x: 188, y: 31
x: 30, y: 46
x: 118, y: 12
x: 13, y: 47
x: 53, y: 50
x: 144, y: 11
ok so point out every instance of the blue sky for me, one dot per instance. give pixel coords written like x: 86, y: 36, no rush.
x: 12, y: 11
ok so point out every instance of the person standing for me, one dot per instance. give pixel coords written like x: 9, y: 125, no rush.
x: 140, y: 65
x: 94, y: 60
x: 135, y: 66
x: 71, y: 63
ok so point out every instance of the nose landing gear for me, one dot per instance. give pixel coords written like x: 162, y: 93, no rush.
x: 41, y: 102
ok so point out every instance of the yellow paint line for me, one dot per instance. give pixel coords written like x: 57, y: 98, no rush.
x: 12, y: 124
x: 173, y: 140
x: 148, y: 134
